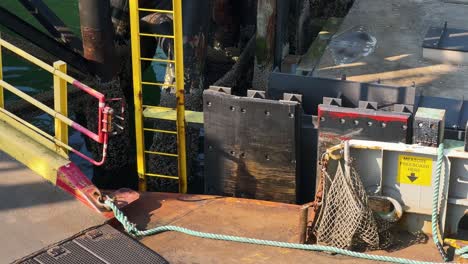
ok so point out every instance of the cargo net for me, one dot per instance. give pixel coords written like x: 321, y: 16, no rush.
x: 345, y: 220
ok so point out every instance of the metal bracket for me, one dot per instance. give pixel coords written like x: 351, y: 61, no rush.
x: 368, y: 105
x: 332, y: 101
x: 256, y: 94
x: 221, y: 89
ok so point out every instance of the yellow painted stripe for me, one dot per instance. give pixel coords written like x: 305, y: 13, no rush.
x: 161, y: 154
x: 162, y: 176
x: 157, y: 60
x: 165, y: 113
x: 156, y: 35
x: 160, y: 131
x: 158, y: 84
x: 162, y: 11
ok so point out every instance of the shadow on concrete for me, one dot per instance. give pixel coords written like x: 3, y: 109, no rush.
x: 30, y: 194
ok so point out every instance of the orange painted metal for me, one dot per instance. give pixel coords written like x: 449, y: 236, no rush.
x: 240, y: 217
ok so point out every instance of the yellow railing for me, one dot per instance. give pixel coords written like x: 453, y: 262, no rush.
x: 60, y: 102
x: 138, y: 83
x: 58, y: 142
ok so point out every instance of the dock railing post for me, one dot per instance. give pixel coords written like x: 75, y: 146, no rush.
x: 61, y: 106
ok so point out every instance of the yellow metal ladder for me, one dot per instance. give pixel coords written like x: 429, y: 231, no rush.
x: 178, y: 62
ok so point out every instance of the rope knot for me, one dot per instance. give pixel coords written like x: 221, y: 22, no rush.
x: 131, y: 228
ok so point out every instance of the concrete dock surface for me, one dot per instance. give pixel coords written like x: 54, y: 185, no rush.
x: 399, y: 26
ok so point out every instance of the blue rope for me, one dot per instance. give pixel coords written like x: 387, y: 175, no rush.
x: 133, y: 230
x: 435, y: 202
x: 463, y: 252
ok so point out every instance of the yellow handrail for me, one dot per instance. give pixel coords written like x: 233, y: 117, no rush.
x: 36, y: 103
x: 43, y: 65
x: 60, y: 111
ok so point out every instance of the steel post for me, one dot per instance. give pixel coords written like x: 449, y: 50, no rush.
x: 98, y: 37
x: 61, y: 106
x: 303, y: 222
x: 180, y: 95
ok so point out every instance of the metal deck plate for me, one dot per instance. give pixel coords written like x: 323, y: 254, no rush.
x: 101, y: 245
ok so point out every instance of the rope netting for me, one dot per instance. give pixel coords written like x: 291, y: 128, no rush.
x: 346, y: 220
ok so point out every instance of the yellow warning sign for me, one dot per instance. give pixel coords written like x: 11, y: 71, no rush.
x: 414, y: 170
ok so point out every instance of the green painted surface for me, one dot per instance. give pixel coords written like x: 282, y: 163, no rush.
x: 67, y: 10
x: 22, y: 74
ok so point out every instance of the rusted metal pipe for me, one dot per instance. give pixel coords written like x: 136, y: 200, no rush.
x: 303, y: 222
x: 98, y: 37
